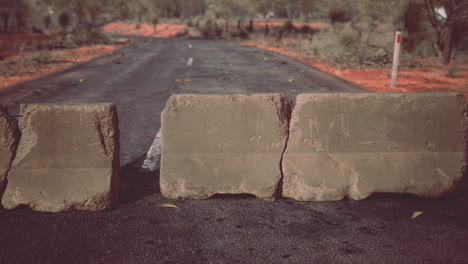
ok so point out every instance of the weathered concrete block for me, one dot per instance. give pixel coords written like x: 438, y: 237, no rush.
x: 68, y: 158
x: 223, y: 144
x: 9, y: 138
x: 357, y: 144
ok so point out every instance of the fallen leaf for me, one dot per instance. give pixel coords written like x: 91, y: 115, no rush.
x: 167, y: 205
x: 291, y: 80
x: 82, y: 80
x: 416, y: 214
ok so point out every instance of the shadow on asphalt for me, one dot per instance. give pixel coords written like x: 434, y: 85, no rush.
x: 395, y: 196
x: 137, y: 183
x: 233, y: 196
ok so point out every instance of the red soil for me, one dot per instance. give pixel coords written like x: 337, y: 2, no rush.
x: 278, y: 23
x: 161, y: 30
x: 21, y: 71
x: 430, y: 78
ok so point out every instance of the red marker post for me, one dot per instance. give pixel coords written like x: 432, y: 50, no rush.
x: 396, y: 57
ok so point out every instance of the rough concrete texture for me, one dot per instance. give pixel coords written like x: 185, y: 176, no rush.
x: 353, y: 145
x: 68, y: 158
x: 9, y: 138
x: 223, y: 144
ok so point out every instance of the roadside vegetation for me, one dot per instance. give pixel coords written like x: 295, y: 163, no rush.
x: 354, y: 34
x: 360, y: 33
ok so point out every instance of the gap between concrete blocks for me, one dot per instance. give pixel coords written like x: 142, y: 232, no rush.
x: 16, y: 136
x: 279, y: 189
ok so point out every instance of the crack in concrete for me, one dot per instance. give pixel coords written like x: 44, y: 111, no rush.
x: 288, y: 111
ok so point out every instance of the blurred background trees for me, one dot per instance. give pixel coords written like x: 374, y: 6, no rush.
x: 431, y: 27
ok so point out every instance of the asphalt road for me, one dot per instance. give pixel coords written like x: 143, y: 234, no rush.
x: 226, y: 229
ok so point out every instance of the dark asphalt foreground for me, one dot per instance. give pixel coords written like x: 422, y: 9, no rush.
x: 227, y: 229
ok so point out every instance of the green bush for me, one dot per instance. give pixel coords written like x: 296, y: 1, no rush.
x: 339, y: 15
x: 211, y: 30
x: 451, y: 72
x: 288, y: 27
x: 349, y: 48
x: 90, y: 36
x: 64, y: 20
x: 238, y: 34
x: 306, y: 29
x: 154, y: 21
x: 418, y: 36
x: 47, y: 21
x: 44, y: 56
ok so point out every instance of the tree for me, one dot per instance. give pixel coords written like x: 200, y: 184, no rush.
x: 154, y: 22
x: 20, y: 17
x: 5, y: 18
x: 444, y: 15
x: 47, y: 21
x: 64, y: 21
x: 85, y: 12
x: 167, y: 8
x: 263, y: 7
x: 16, y: 9
x: 291, y: 9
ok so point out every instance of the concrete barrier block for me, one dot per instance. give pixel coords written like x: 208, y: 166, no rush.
x: 9, y: 138
x: 353, y: 145
x: 68, y: 158
x: 223, y: 144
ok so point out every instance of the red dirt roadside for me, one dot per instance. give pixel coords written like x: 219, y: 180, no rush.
x: 161, y: 30
x: 430, y: 78
x: 23, y: 67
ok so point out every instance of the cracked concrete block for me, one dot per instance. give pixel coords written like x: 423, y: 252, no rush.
x: 353, y: 145
x: 9, y: 138
x: 223, y: 144
x: 68, y: 158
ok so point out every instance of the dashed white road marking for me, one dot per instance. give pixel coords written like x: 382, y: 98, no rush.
x: 190, y: 46
x: 190, y: 62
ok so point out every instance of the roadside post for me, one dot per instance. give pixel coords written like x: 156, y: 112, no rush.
x: 396, y: 57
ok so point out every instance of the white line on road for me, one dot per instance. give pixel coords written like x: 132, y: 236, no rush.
x: 190, y: 62
x: 190, y: 46
x: 153, y: 156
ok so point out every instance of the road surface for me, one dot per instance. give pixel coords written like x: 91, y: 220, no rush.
x: 227, y: 229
